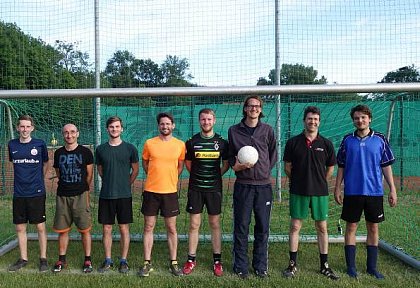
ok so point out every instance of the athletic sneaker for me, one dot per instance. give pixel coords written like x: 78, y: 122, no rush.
x: 59, y: 266
x: 242, y: 275
x: 327, y: 271
x: 218, y: 269
x: 261, y: 274
x: 124, y: 268
x: 145, y: 271
x: 43, y: 265
x: 189, y: 267
x: 175, y: 269
x: 291, y: 270
x: 105, y: 267
x: 20, y: 263
x: 87, y: 267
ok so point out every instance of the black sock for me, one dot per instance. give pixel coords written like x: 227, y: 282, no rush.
x: 88, y: 258
x: 323, y: 258
x: 191, y: 258
x: 217, y: 257
x: 293, y: 256
x: 62, y: 258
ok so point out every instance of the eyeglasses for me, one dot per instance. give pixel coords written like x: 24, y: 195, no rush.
x: 253, y: 106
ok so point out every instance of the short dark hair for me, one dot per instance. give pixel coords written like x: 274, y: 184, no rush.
x: 163, y: 115
x: 26, y: 118
x: 206, y: 111
x: 313, y: 110
x: 361, y: 108
x: 113, y: 119
x: 256, y: 97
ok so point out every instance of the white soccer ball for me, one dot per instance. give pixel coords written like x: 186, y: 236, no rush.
x: 248, y: 154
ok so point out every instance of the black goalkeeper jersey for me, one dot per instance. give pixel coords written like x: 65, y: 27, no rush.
x: 205, y: 155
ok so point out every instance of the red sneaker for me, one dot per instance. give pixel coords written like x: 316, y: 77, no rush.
x: 218, y: 269
x: 189, y: 267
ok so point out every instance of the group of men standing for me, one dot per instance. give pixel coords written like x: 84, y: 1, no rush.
x: 363, y: 158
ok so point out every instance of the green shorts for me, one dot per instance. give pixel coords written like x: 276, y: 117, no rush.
x: 73, y: 209
x: 299, y: 207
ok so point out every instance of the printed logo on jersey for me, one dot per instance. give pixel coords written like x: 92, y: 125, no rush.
x: 216, y: 145
x: 207, y: 155
x: 319, y: 149
x: 34, y: 151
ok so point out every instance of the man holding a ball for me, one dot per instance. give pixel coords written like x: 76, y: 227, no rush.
x: 252, y: 190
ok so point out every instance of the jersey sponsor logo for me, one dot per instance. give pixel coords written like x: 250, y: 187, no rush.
x: 30, y: 161
x: 207, y: 155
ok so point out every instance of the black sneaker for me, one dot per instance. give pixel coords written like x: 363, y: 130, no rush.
x: 59, y: 266
x: 327, y: 271
x: 20, y: 263
x: 87, y: 267
x: 105, y: 267
x: 242, y: 275
x: 124, y: 268
x: 261, y: 274
x: 175, y: 270
x: 43, y: 265
x: 290, y: 271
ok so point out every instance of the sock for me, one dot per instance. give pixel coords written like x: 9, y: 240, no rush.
x: 123, y: 260
x: 350, y: 252
x: 191, y: 258
x: 293, y: 256
x: 217, y: 257
x: 174, y: 262
x: 371, y: 260
x: 88, y: 258
x: 62, y: 258
x: 323, y: 258
x: 108, y: 260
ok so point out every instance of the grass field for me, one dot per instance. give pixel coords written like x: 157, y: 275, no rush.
x: 397, y: 274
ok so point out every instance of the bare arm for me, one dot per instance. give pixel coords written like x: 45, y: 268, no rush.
x: 337, y: 191
x: 329, y: 170
x: 225, y: 167
x: 57, y: 172
x: 180, y: 166
x: 392, y: 196
x: 288, y: 169
x: 45, y: 168
x: 134, y: 171
x: 188, y: 165
x: 145, y: 164
x: 89, y: 173
x: 100, y: 171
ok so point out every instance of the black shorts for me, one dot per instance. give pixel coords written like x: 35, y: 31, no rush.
x: 121, y: 208
x: 197, y: 200
x: 29, y: 209
x: 166, y: 203
x: 372, y: 206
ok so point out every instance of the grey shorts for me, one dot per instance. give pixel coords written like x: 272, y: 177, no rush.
x: 73, y: 209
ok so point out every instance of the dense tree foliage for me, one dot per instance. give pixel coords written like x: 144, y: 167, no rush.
x: 299, y: 74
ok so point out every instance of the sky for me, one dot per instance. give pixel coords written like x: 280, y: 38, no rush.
x: 232, y: 42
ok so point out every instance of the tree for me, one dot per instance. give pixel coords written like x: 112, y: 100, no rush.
x: 405, y: 74
x: 174, y: 71
x: 148, y: 73
x: 293, y: 75
x: 120, y: 70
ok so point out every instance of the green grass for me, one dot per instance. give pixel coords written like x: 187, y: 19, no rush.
x: 397, y: 274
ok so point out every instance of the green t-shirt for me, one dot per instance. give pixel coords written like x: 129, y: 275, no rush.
x: 116, y: 169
